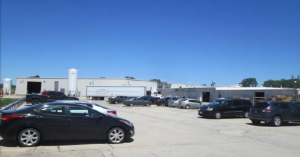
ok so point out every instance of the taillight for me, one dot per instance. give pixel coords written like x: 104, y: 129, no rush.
x: 112, y: 112
x: 12, y: 116
x: 267, y: 110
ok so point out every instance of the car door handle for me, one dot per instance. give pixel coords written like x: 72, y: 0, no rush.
x: 72, y: 120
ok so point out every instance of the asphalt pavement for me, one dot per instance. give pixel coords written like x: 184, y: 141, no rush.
x: 173, y: 132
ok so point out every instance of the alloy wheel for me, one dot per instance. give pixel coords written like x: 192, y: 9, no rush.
x: 29, y: 137
x: 116, y: 135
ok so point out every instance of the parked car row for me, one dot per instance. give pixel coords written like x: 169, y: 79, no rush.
x: 64, y: 120
x: 271, y: 112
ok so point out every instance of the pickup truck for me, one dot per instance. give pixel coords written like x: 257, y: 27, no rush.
x: 48, y: 96
x: 118, y: 99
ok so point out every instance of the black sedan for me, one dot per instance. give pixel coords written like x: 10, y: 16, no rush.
x: 62, y: 121
x: 137, y: 101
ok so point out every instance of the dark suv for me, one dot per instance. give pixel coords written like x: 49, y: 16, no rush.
x: 226, y: 107
x: 275, y: 112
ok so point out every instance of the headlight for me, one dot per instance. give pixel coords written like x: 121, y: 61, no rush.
x: 209, y: 109
x: 126, y: 122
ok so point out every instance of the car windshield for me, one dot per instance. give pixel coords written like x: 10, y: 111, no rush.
x: 217, y: 102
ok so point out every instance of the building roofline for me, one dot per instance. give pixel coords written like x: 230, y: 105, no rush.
x: 93, y: 79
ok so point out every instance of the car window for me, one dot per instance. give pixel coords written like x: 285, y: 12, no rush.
x: 227, y: 103
x: 59, y: 94
x: 261, y: 105
x: 55, y: 110
x: 50, y: 93
x: 247, y: 103
x: 293, y: 107
x: 237, y: 102
x: 80, y: 111
x: 283, y: 105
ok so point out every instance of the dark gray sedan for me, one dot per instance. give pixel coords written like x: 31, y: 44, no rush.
x: 137, y: 101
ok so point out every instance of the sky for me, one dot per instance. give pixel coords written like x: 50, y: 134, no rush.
x: 178, y: 41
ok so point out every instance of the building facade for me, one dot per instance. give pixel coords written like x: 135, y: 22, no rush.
x: 36, y: 85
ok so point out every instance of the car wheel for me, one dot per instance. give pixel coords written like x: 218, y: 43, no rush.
x: 116, y: 102
x: 116, y: 135
x: 255, y: 121
x: 187, y: 106
x: 148, y: 104
x: 29, y: 137
x: 35, y: 101
x: 276, y: 121
x: 131, y: 104
x: 218, y: 115
x: 246, y: 114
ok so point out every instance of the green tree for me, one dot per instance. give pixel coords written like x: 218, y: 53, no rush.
x: 155, y: 80
x: 249, y: 82
x: 129, y: 77
x: 291, y: 83
x: 36, y: 76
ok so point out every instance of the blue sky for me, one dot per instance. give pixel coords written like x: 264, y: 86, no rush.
x: 182, y: 41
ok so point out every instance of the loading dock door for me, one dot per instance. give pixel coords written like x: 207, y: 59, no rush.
x: 258, y: 96
x: 205, y: 96
x: 34, y: 87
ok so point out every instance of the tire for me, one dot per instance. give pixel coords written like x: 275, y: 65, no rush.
x: 131, y: 104
x: 187, y: 107
x: 116, y: 102
x: 276, y: 121
x: 35, y: 101
x: 29, y: 137
x: 246, y: 114
x: 218, y: 115
x: 255, y: 121
x: 116, y: 135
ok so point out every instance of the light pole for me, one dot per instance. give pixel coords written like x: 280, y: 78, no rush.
x: 296, y: 91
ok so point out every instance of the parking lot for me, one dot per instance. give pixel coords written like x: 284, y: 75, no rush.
x: 172, y: 132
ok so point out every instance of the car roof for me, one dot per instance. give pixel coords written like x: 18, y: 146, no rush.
x: 72, y: 101
x: 65, y: 103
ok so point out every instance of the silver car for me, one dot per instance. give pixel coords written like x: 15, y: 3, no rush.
x: 190, y: 103
x: 100, y: 108
x: 171, y: 101
x: 176, y: 102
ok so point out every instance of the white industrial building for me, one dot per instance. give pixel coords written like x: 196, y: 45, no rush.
x: 73, y: 85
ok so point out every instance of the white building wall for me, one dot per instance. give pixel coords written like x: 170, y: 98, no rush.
x: 82, y: 83
x: 46, y: 84
x: 49, y: 84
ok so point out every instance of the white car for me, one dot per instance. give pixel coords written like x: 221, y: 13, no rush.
x: 92, y: 105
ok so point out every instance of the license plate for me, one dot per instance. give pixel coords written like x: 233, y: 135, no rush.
x: 255, y: 111
x: 200, y: 112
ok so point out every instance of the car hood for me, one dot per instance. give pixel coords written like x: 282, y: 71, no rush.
x: 116, y: 117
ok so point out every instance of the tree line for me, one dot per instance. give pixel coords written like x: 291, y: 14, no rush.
x: 283, y: 83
